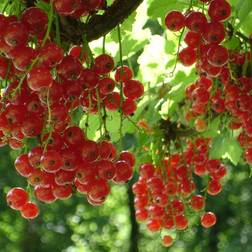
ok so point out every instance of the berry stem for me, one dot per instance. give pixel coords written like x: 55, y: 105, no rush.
x: 104, y: 44
x: 86, y: 48
x: 58, y: 39
x: 177, y: 53
x: 50, y: 20
x: 99, y: 110
x: 121, y: 84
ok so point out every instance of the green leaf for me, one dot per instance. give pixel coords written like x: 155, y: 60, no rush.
x: 218, y: 148
x: 225, y: 146
x: 125, y: 27
x: 213, y: 128
x: 233, y: 150
x: 244, y: 8
x: 247, y: 25
x: 232, y: 44
x: 159, y: 8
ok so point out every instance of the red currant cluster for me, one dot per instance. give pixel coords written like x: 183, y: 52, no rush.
x: 18, y: 199
x: 238, y: 102
x: 203, y: 48
x: 77, y: 8
x: 72, y: 161
x: 165, y: 195
x: 43, y: 87
x: 218, y: 88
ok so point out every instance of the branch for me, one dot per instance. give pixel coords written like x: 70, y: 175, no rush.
x: 99, y: 25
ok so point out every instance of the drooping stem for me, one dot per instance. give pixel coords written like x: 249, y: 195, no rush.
x: 49, y: 26
x: 121, y: 84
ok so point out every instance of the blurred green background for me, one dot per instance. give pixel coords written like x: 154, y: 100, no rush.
x: 75, y: 226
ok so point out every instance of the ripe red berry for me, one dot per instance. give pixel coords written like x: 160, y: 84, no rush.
x: 51, y: 161
x: 128, y: 157
x: 44, y: 194
x: 214, y: 187
x: 174, y: 21
x: 69, y: 68
x: 39, y: 77
x: 16, y: 198
x: 98, y: 189
x: 129, y: 107
x: 103, y: 64
x: 16, y: 34
x: 197, y: 202
x: 181, y: 222
x: 106, y: 86
x: 113, y: 101
x: 66, y: 7
x: 193, y: 39
x: 167, y: 241
x: 213, y: 32
x: 35, y: 20
x: 187, y: 56
x: 133, y: 89
x: 195, y: 21
x: 23, y: 166
x: 124, y: 172
x: 123, y: 74
x: 154, y: 225
x: 217, y: 55
x: 219, y: 10
x: 208, y: 220
x: 29, y: 211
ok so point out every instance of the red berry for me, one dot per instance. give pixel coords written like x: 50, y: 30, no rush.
x: 181, y: 222
x: 208, y: 220
x: 29, y: 211
x: 129, y: 107
x: 39, y: 77
x: 217, y: 55
x: 214, y: 187
x: 197, y: 202
x: 219, y: 10
x: 123, y: 74
x: 35, y: 21
x: 213, y: 32
x: 154, y: 225
x: 51, y: 161
x: 44, y: 194
x: 133, y: 89
x: 128, y: 157
x: 124, y: 172
x: 23, y: 166
x: 193, y: 39
x: 167, y: 241
x: 103, y: 64
x: 16, y: 198
x: 98, y: 189
x: 174, y: 21
x: 187, y: 56
x: 195, y: 21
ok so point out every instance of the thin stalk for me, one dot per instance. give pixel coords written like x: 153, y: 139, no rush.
x: 50, y: 20
x: 58, y: 39
x: 121, y: 84
x: 99, y: 110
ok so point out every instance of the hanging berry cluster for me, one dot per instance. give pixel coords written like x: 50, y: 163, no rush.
x: 77, y: 8
x: 224, y: 85
x: 166, y: 194
x: 43, y: 86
